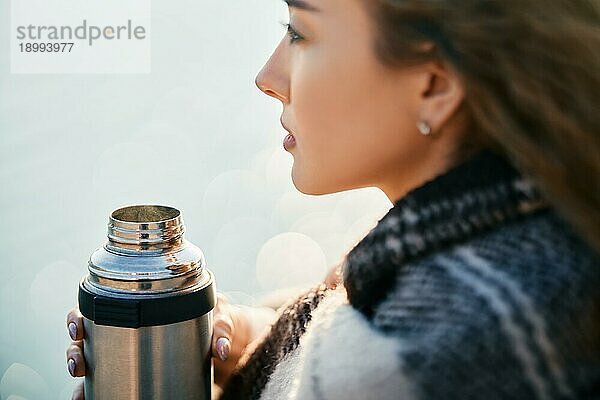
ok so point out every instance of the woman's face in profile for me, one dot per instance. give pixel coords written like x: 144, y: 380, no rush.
x: 353, y: 119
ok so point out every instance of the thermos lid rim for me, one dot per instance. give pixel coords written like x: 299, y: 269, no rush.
x: 139, y: 312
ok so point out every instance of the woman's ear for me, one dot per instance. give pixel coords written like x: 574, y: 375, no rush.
x: 441, y: 95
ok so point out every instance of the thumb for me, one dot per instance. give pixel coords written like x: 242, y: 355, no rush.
x: 223, y: 329
x: 222, y: 348
x: 221, y: 345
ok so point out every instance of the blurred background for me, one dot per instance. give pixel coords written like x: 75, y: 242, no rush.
x: 195, y: 134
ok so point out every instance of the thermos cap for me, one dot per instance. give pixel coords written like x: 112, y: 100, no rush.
x: 146, y: 253
x: 146, y: 260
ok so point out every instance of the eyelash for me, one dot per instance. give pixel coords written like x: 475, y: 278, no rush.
x: 294, y: 36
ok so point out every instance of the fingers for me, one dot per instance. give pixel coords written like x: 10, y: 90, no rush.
x: 222, y: 335
x: 75, y: 324
x: 223, y: 331
x: 230, y: 338
x: 222, y: 328
x: 78, y: 392
x: 75, y: 360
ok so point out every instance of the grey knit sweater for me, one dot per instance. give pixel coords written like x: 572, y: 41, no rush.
x: 470, y: 287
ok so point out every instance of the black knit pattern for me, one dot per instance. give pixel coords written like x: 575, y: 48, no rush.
x: 248, y: 381
x: 482, y: 194
x: 469, y: 199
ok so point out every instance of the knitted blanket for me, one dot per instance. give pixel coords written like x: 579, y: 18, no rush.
x: 488, y: 290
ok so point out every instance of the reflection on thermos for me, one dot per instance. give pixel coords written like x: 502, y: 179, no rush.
x: 147, y: 303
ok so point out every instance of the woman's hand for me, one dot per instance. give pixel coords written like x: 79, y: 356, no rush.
x: 75, y: 360
x: 234, y: 328
x: 231, y: 334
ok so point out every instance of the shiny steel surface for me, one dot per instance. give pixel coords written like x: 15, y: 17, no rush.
x: 173, y: 269
x: 147, y: 256
x: 157, y: 362
x: 142, y: 250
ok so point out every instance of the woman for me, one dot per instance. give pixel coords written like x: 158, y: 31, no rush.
x: 480, y: 124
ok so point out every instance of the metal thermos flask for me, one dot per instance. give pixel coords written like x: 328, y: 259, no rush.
x: 147, y: 302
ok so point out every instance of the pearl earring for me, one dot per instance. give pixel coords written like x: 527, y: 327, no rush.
x: 424, y: 127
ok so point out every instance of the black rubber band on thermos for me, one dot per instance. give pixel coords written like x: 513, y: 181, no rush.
x: 135, y: 313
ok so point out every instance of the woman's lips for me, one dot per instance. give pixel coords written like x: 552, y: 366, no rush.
x: 289, y: 141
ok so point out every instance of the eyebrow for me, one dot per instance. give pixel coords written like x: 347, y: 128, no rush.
x: 301, y: 4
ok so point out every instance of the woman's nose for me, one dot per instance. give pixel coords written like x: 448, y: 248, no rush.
x: 268, y: 88
x: 273, y: 78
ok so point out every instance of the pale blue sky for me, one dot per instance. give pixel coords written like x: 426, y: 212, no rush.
x: 195, y: 134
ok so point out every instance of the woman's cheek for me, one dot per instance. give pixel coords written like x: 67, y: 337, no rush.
x: 322, y: 117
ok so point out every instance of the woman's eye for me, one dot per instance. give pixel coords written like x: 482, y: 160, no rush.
x: 294, y: 36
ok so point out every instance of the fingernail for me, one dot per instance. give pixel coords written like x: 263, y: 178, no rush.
x: 223, y: 347
x: 71, y: 363
x: 73, y: 330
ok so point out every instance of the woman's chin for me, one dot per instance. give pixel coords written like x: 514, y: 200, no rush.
x: 311, y: 185
x: 303, y: 184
